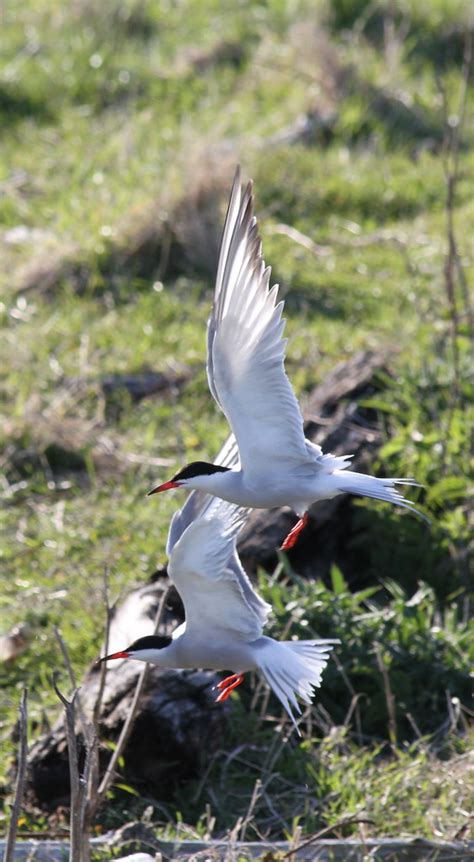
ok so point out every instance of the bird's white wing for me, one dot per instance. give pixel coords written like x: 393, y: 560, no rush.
x: 198, y: 501
x: 206, y: 571
x: 246, y: 350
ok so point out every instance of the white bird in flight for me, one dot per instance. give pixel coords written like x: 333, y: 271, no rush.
x: 246, y: 373
x: 224, y: 615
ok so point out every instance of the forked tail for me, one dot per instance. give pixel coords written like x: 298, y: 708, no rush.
x: 350, y: 482
x: 294, y: 668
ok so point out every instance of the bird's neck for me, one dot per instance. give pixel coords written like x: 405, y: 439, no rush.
x: 224, y: 485
x: 160, y: 657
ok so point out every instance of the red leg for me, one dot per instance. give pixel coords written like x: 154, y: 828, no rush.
x: 294, y: 533
x: 227, y: 685
x: 227, y: 681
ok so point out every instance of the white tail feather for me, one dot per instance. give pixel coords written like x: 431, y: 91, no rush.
x: 294, y: 668
x: 378, y: 489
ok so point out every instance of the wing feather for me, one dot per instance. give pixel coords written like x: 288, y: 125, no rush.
x: 246, y: 348
x: 198, y: 501
x: 206, y: 570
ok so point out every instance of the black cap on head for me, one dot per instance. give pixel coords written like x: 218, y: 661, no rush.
x: 149, y: 642
x: 198, y: 468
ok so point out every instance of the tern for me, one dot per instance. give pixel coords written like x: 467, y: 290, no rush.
x: 246, y: 374
x: 224, y: 615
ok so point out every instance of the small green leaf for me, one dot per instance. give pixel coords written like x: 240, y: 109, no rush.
x: 338, y: 583
x: 127, y: 789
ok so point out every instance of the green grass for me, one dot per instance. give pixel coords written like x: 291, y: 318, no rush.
x: 121, y: 126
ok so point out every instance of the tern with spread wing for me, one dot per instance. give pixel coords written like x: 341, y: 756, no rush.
x: 246, y: 373
x: 224, y: 615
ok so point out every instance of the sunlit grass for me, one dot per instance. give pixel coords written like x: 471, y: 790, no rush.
x: 114, y: 117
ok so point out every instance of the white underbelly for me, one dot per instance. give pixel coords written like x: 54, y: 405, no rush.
x: 213, y: 654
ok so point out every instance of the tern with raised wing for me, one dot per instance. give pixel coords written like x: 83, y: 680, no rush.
x: 224, y: 615
x: 277, y: 465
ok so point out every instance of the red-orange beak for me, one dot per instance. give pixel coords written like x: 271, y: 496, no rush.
x: 165, y: 487
x: 121, y: 654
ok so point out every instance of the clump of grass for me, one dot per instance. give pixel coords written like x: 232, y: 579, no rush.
x: 385, y: 635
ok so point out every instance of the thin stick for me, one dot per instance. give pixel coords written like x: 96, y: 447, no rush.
x: 346, y: 821
x: 77, y: 787
x: 354, y: 707
x: 86, y: 727
x: 129, y: 723
x: 83, y: 801
x: 389, y: 698
x: 66, y: 659
x: 103, y: 669
x: 257, y: 791
x: 20, y: 779
x: 94, y: 777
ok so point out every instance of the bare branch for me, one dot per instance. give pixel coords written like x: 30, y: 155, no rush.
x: 77, y: 786
x: 129, y: 723
x: 389, y: 698
x: 20, y: 779
x: 93, y: 778
x: 103, y: 669
x: 86, y: 726
x: 257, y: 792
x: 346, y: 821
x: 66, y: 659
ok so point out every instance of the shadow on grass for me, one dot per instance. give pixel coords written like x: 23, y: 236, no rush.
x: 440, y: 42
x: 16, y: 105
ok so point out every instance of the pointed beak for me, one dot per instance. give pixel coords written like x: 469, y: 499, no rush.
x: 122, y: 654
x: 165, y: 487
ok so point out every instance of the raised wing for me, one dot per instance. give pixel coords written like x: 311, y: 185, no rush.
x: 246, y: 350
x: 198, y: 501
x: 206, y: 570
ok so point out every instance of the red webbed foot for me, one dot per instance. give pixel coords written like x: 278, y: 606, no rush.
x: 292, y: 536
x: 227, y: 686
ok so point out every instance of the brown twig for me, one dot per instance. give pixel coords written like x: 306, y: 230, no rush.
x: 346, y: 821
x: 355, y: 697
x: 85, y: 801
x: 129, y: 723
x: 256, y: 793
x: 20, y: 779
x: 72, y: 676
x: 77, y: 785
x: 93, y: 799
x: 103, y: 669
x: 389, y: 699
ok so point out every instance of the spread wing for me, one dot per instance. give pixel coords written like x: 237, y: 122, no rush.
x: 246, y: 348
x: 206, y: 571
x: 198, y: 501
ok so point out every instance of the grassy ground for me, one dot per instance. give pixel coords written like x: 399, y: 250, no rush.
x: 121, y: 126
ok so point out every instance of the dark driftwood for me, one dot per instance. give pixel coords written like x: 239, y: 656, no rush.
x: 179, y: 725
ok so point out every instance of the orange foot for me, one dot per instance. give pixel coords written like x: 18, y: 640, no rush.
x: 294, y: 533
x: 227, y: 685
